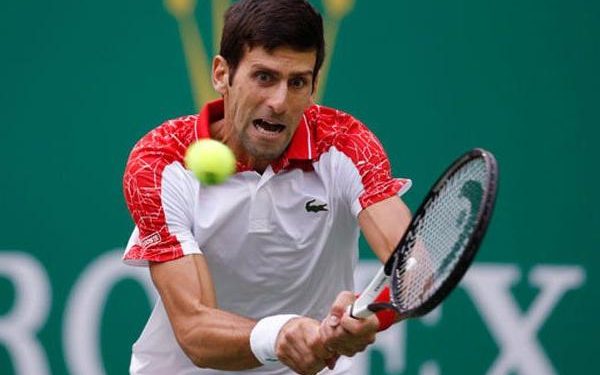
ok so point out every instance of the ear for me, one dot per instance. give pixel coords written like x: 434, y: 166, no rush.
x: 220, y: 74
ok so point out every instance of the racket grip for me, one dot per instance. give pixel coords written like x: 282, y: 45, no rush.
x: 382, y: 308
x: 360, y: 308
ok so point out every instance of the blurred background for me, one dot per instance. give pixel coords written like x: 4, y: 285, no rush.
x: 82, y: 81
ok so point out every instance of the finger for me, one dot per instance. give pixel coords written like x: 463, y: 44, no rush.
x: 332, y: 320
x: 314, y: 352
x: 288, y: 355
x: 358, y: 327
x: 349, y: 349
x: 314, y: 341
x: 319, y: 351
x: 301, y: 359
x: 341, y: 303
x: 332, y: 337
x: 294, y: 346
x: 352, y: 335
x: 313, y: 358
x: 327, y: 331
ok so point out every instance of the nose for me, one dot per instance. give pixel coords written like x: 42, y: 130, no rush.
x: 278, y: 99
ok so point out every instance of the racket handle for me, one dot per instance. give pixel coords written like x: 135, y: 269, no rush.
x: 360, y: 308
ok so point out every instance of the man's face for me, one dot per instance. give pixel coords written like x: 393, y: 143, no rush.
x: 265, y: 101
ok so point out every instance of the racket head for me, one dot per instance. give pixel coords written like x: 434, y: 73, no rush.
x: 444, y: 235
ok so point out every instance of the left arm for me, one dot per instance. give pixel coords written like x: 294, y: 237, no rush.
x: 371, y: 192
x: 383, y: 225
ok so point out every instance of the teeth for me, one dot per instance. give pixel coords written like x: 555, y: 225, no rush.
x: 263, y: 130
x: 268, y: 127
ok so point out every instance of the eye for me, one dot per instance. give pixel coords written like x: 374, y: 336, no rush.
x: 298, y: 82
x: 263, y: 77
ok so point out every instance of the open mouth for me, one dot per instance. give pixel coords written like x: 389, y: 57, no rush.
x: 267, y: 127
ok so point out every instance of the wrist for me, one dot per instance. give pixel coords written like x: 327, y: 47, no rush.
x: 263, y: 338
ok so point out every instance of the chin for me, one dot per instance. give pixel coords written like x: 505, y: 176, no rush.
x: 269, y: 155
x: 265, y: 151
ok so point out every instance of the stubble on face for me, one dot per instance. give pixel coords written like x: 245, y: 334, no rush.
x: 267, y: 152
x: 246, y: 150
x: 265, y: 102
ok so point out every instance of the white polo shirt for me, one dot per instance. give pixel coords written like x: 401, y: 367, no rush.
x: 285, y: 241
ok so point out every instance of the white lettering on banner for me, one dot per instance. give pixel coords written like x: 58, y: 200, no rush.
x: 430, y: 368
x: 19, y: 327
x: 488, y: 285
x: 516, y: 333
x: 84, y: 308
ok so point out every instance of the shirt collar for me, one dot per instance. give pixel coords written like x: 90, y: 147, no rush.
x: 300, y: 152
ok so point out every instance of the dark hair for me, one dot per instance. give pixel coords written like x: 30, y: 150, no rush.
x: 271, y: 24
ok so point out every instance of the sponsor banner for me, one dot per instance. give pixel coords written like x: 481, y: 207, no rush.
x: 83, y: 81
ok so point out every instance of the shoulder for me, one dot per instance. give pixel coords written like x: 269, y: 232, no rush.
x: 337, y: 129
x: 163, y: 146
x: 169, y: 140
x: 158, y: 193
x: 330, y: 122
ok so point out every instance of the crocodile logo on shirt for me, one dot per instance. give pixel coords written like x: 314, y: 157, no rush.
x: 314, y: 205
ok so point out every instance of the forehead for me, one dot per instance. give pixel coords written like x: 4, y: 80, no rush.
x: 282, y: 59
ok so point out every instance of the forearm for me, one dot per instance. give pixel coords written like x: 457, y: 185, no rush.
x: 383, y: 225
x: 210, y: 337
x: 217, y: 339
x: 221, y: 340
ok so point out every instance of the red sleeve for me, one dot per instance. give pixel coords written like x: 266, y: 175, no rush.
x: 154, y: 179
x: 372, y: 163
x: 367, y: 175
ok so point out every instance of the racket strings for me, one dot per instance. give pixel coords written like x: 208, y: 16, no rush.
x: 440, y: 236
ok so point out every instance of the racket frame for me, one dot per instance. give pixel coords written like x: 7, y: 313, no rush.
x: 364, y: 305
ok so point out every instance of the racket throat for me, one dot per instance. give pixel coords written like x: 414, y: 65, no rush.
x: 381, y: 306
x: 374, y: 298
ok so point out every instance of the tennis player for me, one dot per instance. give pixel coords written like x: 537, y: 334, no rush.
x: 254, y: 275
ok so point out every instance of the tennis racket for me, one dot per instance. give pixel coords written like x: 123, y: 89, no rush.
x: 440, y: 242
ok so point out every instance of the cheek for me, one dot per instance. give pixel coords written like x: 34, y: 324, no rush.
x: 304, y: 101
x: 248, y: 100
x: 299, y: 106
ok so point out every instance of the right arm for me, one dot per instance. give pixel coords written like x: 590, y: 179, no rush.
x: 210, y: 337
x: 219, y: 339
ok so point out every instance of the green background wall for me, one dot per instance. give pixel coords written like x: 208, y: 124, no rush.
x: 83, y: 80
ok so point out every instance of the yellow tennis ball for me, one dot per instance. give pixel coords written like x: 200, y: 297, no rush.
x: 211, y: 161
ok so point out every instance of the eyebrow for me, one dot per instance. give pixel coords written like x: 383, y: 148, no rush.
x: 259, y: 66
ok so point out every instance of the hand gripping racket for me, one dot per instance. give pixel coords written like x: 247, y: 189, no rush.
x: 439, y: 243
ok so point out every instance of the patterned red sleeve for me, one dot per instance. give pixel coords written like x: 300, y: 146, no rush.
x: 147, y: 191
x: 368, y: 157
